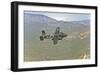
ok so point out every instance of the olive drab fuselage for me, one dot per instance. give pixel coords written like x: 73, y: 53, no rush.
x: 55, y: 37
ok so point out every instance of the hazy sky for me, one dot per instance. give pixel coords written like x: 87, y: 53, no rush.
x: 63, y: 16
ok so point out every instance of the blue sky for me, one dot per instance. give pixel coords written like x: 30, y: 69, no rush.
x: 63, y: 16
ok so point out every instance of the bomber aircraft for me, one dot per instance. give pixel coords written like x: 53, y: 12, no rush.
x: 58, y: 35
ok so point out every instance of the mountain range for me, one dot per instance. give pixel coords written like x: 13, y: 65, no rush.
x: 34, y: 23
